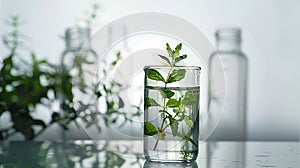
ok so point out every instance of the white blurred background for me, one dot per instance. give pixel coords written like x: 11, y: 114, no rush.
x: 270, y: 33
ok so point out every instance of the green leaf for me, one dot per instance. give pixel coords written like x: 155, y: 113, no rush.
x: 176, y: 75
x: 118, y: 55
x: 154, y: 75
x: 150, y: 102
x: 177, y: 50
x: 173, y: 103
x: 165, y: 58
x: 170, y: 51
x: 190, y: 140
x: 190, y: 98
x: 188, y: 121
x: 174, y: 125
x: 179, y: 59
x: 149, y: 129
x: 166, y: 93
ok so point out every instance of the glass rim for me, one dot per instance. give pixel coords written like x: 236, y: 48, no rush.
x: 166, y: 66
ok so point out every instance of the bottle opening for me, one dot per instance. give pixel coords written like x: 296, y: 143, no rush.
x: 229, y: 34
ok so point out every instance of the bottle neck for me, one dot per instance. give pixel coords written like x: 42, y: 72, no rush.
x: 229, y: 40
x: 228, y: 45
x: 77, y: 39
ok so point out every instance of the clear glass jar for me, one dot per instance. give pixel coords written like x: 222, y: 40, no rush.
x: 232, y: 125
x: 171, y: 118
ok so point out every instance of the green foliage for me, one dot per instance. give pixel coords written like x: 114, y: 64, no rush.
x: 25, y: 85
x: 176, y: 75
x: 188, y: 121
x: 190, y: 98
x: 22, y: 89
x: 150, y: 102
x: 170, y: 101
x: 166, y: 93
x: 149, y: 129
x: 178, y: 59
x: 165, y: 59
x: 154, y: 75
x: 174, y: 125
x: 173, y: 103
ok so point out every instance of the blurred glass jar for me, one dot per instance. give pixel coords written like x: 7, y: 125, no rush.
x: 79, y: 59
x: 232, y: 125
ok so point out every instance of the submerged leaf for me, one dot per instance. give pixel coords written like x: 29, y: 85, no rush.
x: 190, y: 98
x: 166, y: 93
x: 188, y: 121
x: 174, y: 125
x: 149, y: 129
x: 150, y: 102
x: 173, y: 103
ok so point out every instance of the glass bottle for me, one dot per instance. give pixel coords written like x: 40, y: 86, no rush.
x: 171, y: 128
x: 78, y: 66
x: 78, y: 56
x: 233, y: 122
x: 79, y: 59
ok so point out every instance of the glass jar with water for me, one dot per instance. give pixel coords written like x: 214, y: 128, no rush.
x: 171, y: 119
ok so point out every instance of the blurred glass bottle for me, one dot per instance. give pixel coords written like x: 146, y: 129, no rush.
x: 233, y: 122
x: 79, y: 59
x: 78, y: 64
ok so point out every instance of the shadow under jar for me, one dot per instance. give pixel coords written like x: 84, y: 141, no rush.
x: 171, y: 113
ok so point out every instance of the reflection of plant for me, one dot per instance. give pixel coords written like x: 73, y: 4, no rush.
x: 75, y: 154
x: 175, y: 103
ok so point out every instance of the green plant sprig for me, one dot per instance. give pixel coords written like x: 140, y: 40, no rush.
x: 189, y: 99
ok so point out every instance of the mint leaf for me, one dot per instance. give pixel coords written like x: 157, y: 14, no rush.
x: 190, y: 98
x: 177, y: 50
x: 165, y: 58
x: 149, y: 129
x: 183, y: 136
x: 166, y: 93
x: 188, y: 121
x: 190, y: 140
x: 174, y: 126
x: 150, y: 102
x: 170, y: 51
x: 176, y: 75
x: 173, y: 103
x: 179, y: 59
x: 154, y: 75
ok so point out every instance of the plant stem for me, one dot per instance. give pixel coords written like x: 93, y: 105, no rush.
x: 164, y: 107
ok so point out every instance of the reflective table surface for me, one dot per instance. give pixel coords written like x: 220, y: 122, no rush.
x: 129, y: 154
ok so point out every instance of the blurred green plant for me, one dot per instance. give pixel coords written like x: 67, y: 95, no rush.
x: 26, y: 85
